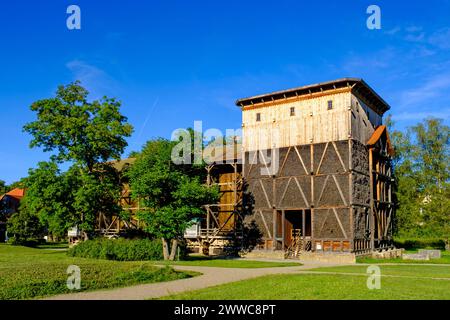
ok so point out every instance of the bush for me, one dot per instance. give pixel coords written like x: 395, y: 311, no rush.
x: 420, y: 243
x: 119, y: 249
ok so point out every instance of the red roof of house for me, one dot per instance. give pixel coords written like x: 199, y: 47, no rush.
x: 15, y: 193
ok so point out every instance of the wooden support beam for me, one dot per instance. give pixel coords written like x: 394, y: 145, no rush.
x: 274, y: 229
x: 372, y: 213
x: 283, y: 228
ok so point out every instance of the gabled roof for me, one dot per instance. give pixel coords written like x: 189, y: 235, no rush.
x: 358, y: 86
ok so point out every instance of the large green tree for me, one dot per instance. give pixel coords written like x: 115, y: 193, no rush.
x: 24, y: 227
x: 49, y: 196
x: 172, y: 194
x: 87, y: 134
x: 422, y: 173
x: 77, y: 130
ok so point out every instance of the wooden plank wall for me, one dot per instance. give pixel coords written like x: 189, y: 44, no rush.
x: 350, y: 117
x: 312, y: 122
x: 364, y: 120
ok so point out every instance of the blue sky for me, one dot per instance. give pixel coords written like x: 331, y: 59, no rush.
x: 173, y: 62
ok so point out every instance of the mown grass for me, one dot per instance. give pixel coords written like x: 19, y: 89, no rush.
x: 445, y: 259
x: 413, y: 271
x: 31, y: 273
x: 27, y: 273
x: 201, y: 261
x: 337, y: 285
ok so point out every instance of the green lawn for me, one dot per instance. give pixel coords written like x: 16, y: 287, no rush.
x: 29, y: 273
x: 37, y: 272
x: 335, y: 286
x: 202, y: 261
x: 445, y: 259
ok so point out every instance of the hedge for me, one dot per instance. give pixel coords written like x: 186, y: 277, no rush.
x: 420, y: 243
x: 118, y: 249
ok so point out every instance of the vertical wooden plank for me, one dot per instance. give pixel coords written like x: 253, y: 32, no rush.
x: 208, y: 220
x: 313, y: 244
x: 283, y: 228
x: 274, y: 229
x: 350, y: 186
x: 303, y: 227
x: 372, y: 213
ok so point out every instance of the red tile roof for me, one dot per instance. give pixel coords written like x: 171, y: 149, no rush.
x: 15, y: 193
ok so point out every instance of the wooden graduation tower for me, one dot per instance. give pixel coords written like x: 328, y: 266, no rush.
x: 316, y: 160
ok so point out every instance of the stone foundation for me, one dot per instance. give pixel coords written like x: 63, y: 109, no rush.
x: 433, y: 254
x: 387, y: 254
x: 329, y: 257
x: 326, y: 257
x: 265, y: 254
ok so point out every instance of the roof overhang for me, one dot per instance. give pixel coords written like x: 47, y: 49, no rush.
x: 381, y: 132
x: 356, y: 85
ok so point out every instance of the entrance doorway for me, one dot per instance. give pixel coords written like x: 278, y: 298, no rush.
x: 296, y: 223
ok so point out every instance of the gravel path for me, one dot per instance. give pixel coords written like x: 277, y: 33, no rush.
x: 211, y: 276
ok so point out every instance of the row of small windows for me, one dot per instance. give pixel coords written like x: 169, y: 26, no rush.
x: 292, y: 110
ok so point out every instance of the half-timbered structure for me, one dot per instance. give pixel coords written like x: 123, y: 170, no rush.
x: 317, y: 164
x: 313, y: 173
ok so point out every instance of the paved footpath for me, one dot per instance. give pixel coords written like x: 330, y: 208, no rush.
x: 211, y: 276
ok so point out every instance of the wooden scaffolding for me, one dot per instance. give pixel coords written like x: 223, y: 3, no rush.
x: 222, y: 229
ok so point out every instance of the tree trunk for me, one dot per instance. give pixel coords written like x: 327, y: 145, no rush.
x: 174, y: 248
x: 165, y: 249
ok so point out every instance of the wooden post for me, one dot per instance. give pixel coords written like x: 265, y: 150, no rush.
x: 350, y: 187
x: 311, y: 153
x: 274, y: 229
x: 372, y: 213
x: 208, y: 218
x: 313, y: 247
x: 283, y: 228
x: 235, y: 200
x: 302, y: 236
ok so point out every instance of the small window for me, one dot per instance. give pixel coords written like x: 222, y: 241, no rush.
x: 292, y: 111
x: 330, y: 104
x: 258, y: 117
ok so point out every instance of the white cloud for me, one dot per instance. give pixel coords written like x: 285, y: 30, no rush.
x: 413, y: 29
x: 415, y: 37
x: 94, y: 79
x: 393, y: 31
x: 433, y: 87
x: 441, y: 38
x: 404, y: 116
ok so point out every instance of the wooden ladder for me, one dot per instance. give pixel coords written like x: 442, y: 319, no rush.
x: 297, y: 245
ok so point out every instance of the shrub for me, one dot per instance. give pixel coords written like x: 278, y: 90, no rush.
x: 119, y: 249
x: 420, y: 243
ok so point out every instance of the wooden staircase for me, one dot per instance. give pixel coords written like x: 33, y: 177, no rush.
x: 296, y: 246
